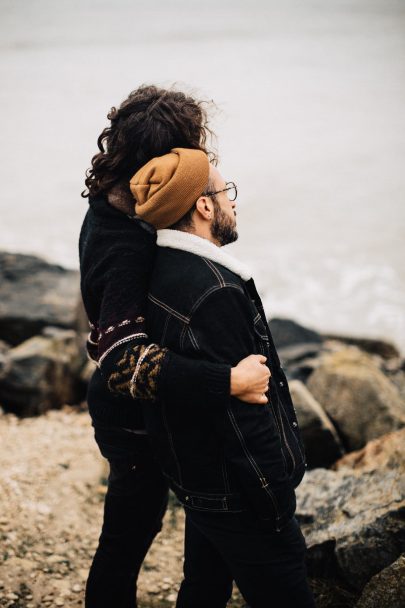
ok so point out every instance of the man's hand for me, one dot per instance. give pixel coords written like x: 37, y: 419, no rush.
x: 250, y: 379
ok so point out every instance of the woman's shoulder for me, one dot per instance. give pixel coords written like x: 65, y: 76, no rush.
x: 106, y: 219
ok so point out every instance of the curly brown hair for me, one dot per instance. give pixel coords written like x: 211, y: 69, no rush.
x: 149, y: 123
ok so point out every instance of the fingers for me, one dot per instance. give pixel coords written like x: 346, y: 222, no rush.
x: 254, y: 398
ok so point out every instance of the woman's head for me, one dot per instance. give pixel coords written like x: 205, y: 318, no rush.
x: 149, y: 123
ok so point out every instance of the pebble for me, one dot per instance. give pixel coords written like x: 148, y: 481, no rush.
x: 55, y: 559
x: 12, y: 596
x: 59, y: 602
x: 77, y: 588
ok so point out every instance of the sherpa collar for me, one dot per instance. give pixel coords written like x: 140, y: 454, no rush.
x: 177, y: 239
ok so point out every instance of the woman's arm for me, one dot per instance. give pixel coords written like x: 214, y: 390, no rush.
x: 145, y: 370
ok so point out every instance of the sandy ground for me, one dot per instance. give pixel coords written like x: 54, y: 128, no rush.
x: 52, y: 491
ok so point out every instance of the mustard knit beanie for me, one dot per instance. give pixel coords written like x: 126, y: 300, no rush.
x: 168, y: 186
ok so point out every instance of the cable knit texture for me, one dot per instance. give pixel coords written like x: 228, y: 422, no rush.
x: 137, y: 371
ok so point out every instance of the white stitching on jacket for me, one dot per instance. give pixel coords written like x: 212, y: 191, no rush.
x: 262, y: 479
x: 215, y: 271
x: 168, y: 308
x: 193, y: 339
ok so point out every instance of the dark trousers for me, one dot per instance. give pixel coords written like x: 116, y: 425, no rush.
x: 135, y: 504
x: 268, y: 567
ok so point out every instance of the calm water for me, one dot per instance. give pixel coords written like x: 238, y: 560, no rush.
x: 310, y: 124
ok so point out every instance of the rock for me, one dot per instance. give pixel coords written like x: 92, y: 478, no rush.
x: 295, y: 353
x: 33, y: 294
x: 386, y: 452
x: 361, y: 402
x: 12, y: 596
x: 297, y: 346
x: 300, y: 360
x: 382, y: 348
x: 352, y: 522
x: 87, y: 371
x: 322, y: 443
x: 398, y: 379
x: 286, y: 332
x: 386, y: 589
x: 171, y: 597
x: 42, y: 373
x: 4, y: 347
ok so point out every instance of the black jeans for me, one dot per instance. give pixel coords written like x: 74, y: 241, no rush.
x: 268, y: 567
x: 135, y: 504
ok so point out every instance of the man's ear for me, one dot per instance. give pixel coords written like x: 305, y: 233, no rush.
x: 205, y: 208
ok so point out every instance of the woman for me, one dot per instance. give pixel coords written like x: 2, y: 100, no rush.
x: 116, y: 257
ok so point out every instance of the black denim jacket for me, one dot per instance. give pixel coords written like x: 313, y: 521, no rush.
x: 232, y: 456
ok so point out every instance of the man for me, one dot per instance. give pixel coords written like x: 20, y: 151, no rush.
x: 233, y: 468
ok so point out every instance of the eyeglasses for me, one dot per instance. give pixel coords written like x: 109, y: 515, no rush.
x: 230, y: 188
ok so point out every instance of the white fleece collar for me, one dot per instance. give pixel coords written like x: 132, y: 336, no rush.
x: 177, y: 239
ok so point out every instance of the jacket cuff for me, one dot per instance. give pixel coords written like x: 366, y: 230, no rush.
x: 201, y: 381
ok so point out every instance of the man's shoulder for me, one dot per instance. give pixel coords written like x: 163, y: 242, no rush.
x: 185, y: 277
x: 198, y: 271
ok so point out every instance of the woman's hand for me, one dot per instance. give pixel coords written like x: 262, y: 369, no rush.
x: 250, y: 379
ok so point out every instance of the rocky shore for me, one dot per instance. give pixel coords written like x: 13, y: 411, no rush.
x: 349, y: 394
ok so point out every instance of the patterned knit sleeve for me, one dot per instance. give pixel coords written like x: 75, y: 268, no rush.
x: 137, y: 371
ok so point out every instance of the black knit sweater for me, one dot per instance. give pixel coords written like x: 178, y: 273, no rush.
x: 116, y: 258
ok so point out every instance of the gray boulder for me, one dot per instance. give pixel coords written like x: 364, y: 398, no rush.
x: 386, y: 589
x: 322, y: 443
x: 299, y: 360
x: 42, y: 373
x: 360, y: 400
x: 353, y: 517
x: 286, y: 332
x: 298, y: 347
x: 34, y: 294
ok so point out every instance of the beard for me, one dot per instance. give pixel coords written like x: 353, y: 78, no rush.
x: 223, y: 228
